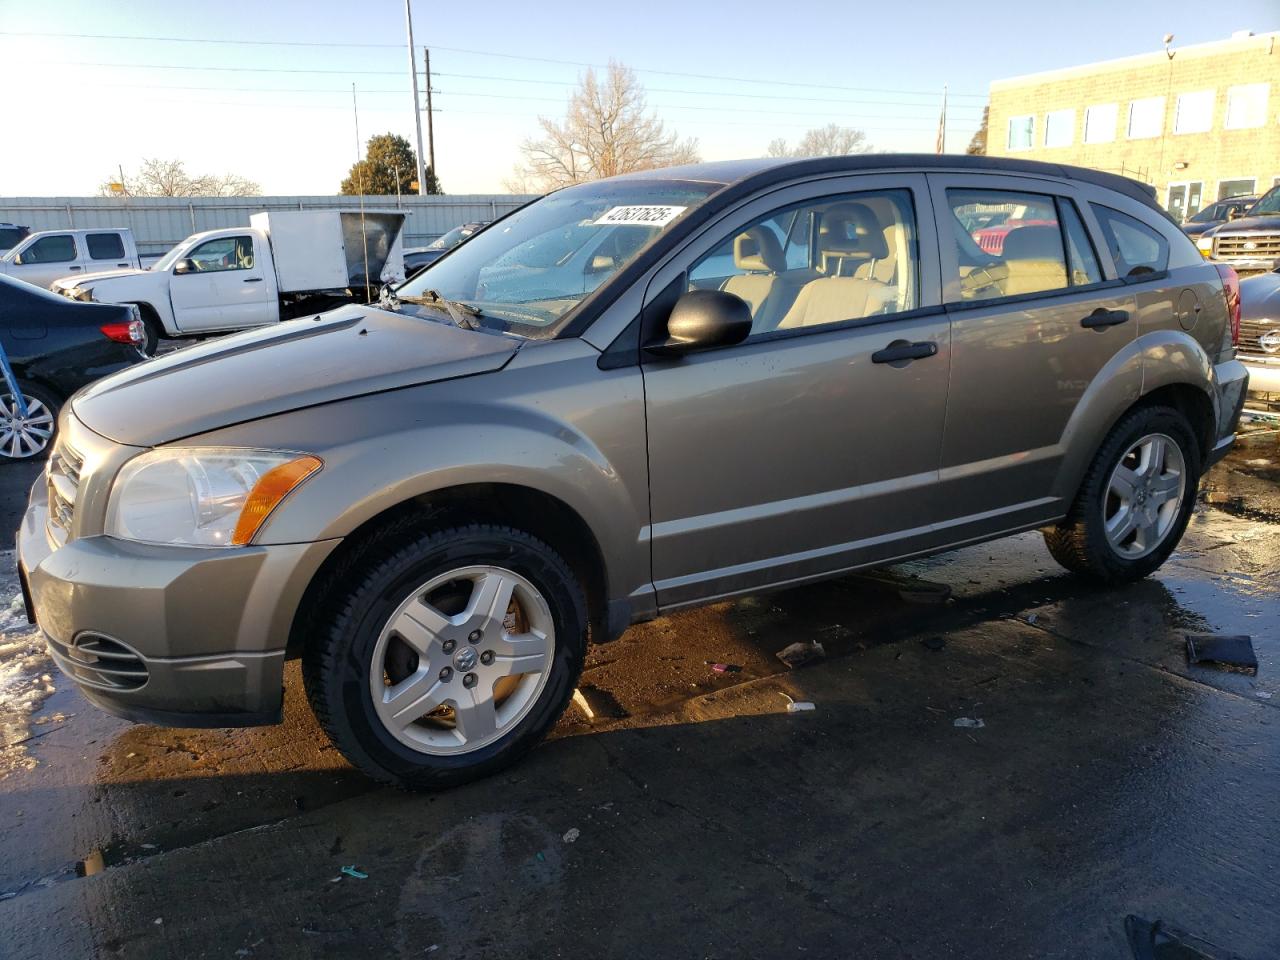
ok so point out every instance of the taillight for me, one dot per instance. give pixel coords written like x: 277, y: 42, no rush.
x: 119, y: 332
x: 1231, y: 288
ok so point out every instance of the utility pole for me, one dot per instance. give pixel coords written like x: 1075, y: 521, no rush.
x: 417, y: 112
x: 431, y: 135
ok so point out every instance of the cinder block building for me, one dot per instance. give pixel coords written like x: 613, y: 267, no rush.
x: 1200, y: 123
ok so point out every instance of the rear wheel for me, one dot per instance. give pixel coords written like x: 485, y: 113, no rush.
x: 26, y: 436
x: 448, y: 656
x: 1135, y: 501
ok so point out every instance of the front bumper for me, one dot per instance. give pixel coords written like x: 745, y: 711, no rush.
x: 180, y: 636
x: 1264, y: 373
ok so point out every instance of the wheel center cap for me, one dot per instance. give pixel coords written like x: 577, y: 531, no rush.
x: 465, y: 659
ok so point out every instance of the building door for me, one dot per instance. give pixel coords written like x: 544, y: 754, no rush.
x: 1184, y: 200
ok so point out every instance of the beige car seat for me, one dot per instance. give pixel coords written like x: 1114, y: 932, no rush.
x: 757, y: 251
x: 850, y: 238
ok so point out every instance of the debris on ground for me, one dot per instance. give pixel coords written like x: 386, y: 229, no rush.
x: 969, y: 723
x: 572, y: 834
x: 797, y: 706
x: 354, y: 873
x: 1262, y: 694
x: 934, y: 643
x: 1155, y: 941
x: 798, y: 654
x: 723, y: 667
x: 1228, y: 653
x: 924, y: 591
x: 585, y: 707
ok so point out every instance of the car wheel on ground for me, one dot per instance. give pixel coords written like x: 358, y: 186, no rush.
x: 30, y: 435
x: 443, y: 657
x: 152, y: 329
x: 1135, y: 501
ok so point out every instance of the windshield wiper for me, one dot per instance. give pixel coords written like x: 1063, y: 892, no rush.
x: 461, y: 313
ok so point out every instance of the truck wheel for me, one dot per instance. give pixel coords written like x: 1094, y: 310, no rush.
x: 444, y: 658
x: 151, y: 326
x: 31, y: 436
x: 1135, y: 501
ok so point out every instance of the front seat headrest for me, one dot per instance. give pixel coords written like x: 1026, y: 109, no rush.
x: 757, y: 248
x: 852, y: 230
x: 1033, y: 243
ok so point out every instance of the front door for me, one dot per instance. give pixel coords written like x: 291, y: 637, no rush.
x: 47, y: 259
x: 1034, y: 321
x: 224, y: 287
x: 812, y: 446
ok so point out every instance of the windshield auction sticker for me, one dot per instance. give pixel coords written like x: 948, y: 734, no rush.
x: 647, y: 216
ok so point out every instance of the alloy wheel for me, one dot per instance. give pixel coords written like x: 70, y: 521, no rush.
x: 1144, y: 496
x: 23, y: 437
x: 462, y: 660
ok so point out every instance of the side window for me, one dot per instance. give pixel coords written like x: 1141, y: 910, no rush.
x: 104, y: 246
x: 1007, y: 243
x: 56, y: 249
x: 1136, y: 248
x: 1084, y: 261
x: 840, y: 258
x: 224, y: 253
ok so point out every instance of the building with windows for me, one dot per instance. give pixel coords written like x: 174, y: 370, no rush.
x: 1200, y: 123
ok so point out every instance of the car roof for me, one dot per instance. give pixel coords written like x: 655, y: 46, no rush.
x: 765, y: 170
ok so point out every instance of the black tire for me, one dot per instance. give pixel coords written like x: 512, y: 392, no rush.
x: 151, y: 325
x: 1079, y: 542
x: 49, y: 401
x: 365, y: 590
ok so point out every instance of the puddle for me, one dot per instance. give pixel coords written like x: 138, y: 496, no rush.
x: 26, y: 675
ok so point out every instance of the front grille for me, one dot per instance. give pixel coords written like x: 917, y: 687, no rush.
x: 63, y: 475
x: 1251, y: 333
x: 99, y: 661
x: 1246, y: 246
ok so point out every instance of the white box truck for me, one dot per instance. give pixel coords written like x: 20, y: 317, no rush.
x: 285, y: 264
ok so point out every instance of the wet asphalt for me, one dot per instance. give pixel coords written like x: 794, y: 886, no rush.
x: 1097, y: 776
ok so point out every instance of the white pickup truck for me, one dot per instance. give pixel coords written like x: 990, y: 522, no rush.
x: 284, y: 264
x: 41, y: 258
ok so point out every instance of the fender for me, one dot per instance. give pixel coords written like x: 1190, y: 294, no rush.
x: 1157, y: 359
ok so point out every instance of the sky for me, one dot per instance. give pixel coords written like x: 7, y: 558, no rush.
x: 735, y: 76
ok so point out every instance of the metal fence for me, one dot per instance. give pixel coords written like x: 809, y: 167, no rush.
x: 160, y: 222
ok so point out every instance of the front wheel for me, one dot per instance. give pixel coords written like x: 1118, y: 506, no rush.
x: 444, y: 658
x: 1135, y: 501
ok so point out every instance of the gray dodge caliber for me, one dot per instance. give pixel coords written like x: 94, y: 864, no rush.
x: 628, y: 397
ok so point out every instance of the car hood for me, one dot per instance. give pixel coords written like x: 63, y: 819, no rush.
x: 1195, y: 229
x: 1260, y: 297
x: 1266, y: 222
x: 346, y: 353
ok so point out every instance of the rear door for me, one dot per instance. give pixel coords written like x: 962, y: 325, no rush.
x: 812, y: 446
x: 105, y: 250
x: 1037, y: 317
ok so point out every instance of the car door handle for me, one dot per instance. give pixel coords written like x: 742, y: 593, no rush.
x: 75, y: 269
x: 122, y: 265
x: 1102, y: 317
x: 253, y: 280
x: 903, y: 352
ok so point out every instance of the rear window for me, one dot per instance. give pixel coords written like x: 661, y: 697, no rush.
x: 105, y: 246
x: 1137, y: 249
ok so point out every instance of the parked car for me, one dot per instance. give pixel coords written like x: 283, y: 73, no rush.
x: 415, y: 258
x: 43, y: 257
x: 1251, y: 243
x: 10, y: 234
x: 1215, y: 214
x: 1260, y: 330
x: 284, y: 264
x: 797, y: 368
x: 54, y: 348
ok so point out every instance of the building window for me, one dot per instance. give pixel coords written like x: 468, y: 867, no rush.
x: 1195, y: 112
x: 1247, y: 106
x: 1059, y: 128
x: 1022, y: 132
x: 1100, y: 123
x: 1146, y: 118
x: 1235, y: 188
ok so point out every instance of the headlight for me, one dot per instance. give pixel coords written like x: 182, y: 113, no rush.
x: 1205, y: 245
x: 202, y: 496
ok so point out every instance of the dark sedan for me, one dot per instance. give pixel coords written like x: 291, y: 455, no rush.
x: 415, y: 258
x: 54, y: 347
x: 1215, y: 214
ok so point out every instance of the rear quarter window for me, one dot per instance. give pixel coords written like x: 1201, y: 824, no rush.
x: 1139, y: 250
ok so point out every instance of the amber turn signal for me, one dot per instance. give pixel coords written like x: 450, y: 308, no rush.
x: 271, y: 488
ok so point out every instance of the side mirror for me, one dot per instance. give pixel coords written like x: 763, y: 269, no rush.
x: 704, y: 320
x: 17, y: 260
x: 185, y: 265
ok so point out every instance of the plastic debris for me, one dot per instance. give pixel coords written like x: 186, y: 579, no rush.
x: 540, y: 857
x: 572, y: 834
x: 582, y: 704
x: 1228, y: 653
x: 796, y: 706
x: 354, y: 873
x: 798, y: 654
x: 924, y: 591
x: 969, y: 723
x: 723, y: 667
x: 159, y: 921
x: 1262, y: 694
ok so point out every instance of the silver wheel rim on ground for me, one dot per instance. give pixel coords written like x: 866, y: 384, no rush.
x: 1144, y: 496
x: 449, y: 683
x: 22, y: 437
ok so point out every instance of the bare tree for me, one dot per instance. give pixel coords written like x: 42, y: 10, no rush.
x: 169, y: 178
x: 607, y: 130
x: 832, y: 140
